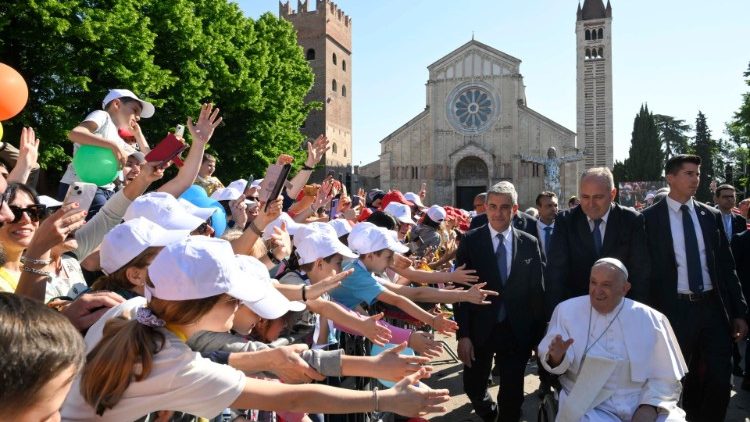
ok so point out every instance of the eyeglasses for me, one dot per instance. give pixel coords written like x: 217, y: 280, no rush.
x: 35, y: 212
x: 204, y: 229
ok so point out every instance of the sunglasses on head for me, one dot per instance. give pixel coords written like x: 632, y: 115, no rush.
x: 35, y: 212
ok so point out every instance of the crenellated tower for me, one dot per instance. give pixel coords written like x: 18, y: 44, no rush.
x: 594, y: 82
x: 325, y: 35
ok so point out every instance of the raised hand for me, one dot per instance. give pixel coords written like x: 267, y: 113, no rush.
x: 28, y: 148
x: 393, y: 366
x: 316, y: 150
x: 424, y: 344
x: 463, y: 276
x: 557, y: 349
x: 443, y: 325
x: 265, y: 217
x: 478, y: 296
x: 373, y: 330
x: 238, y: 208
x: 284, y: 159
x: 208, y: 120
x: 280, y: 243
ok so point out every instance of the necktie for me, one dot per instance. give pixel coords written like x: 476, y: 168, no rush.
x: 502, y: 266
x: 547, y: 237
x: 695, y: 274
x: 597, y: 236
x: 728, y: 226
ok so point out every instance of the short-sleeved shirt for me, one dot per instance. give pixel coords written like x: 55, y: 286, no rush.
x: 180, y: 380
x: 106, y: 128
x: 360, y: 286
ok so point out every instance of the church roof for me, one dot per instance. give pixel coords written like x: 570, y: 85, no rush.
x: 594, y: 9
x: 477, y: 44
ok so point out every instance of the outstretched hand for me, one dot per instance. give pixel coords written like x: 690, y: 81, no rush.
x: 208, y: 120
x: 316, y: 150
x: 557, y: 349
x: 28, y: 148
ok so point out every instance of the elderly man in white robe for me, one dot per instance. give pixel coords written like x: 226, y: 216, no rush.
x: 618, y: 359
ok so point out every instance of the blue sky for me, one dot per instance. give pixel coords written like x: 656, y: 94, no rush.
x: 679, y: 56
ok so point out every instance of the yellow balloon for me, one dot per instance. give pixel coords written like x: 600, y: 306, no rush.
x: 1, y: 131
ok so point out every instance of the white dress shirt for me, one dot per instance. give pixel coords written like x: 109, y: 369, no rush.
x: 507, y: 243
x: 541, y: 234
x: 678, y: 243
x: 727, y: 220
x: 602, y: 225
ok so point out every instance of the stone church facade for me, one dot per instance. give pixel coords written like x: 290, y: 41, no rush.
x: 471, y: 134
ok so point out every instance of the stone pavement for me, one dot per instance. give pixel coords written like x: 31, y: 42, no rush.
x: 460, y: 410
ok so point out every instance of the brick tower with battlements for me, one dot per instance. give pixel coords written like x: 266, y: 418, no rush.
x: 325, y: 35
x: 594, y: 82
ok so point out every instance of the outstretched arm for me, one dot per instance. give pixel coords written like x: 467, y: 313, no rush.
x: 531, y: 159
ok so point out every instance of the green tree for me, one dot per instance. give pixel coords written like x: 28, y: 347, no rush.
x: 739, y: 131
x: 673, y: 135
x: 176, y: 53
x: 705, y: 148
x: 645, y: 159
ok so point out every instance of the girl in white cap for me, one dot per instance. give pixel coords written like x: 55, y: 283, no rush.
x: 141, y: 364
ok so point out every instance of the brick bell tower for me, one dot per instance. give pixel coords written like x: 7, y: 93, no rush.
x: 594, y: 82
x: 325, y: 35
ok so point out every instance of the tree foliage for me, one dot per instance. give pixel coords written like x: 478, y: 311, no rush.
x: 673, y: 135
x: 176, y: 53
x: 705, y: 148
x: 645, y: 159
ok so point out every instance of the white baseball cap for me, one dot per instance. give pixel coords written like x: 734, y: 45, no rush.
x: 256, y: 183
x: 413, y: 197
x: 341, y: 225
x: 239, y: 185
x: 202, y: 213
x: 367, y: 237
x: 49, y: 202
x: 199, y: 267
x: 147, y: 109
x: 128, y: 240
x: 226, y: 194
x: 272, y: 304
x: 319, y: 240
x: 402, y: 212
x: 436, y: 213
x: 291, y: 225
x: 164, y: 210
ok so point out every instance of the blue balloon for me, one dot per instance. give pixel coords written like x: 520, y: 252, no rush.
x: 197, y: 196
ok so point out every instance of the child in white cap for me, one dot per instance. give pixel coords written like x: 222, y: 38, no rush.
x: 141, y: 364
x: 376, y: 247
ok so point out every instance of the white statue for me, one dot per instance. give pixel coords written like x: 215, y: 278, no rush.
x: 552, y: 167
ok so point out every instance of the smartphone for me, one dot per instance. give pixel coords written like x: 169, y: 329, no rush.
x: 168, y: 149
x: 179, y: 131
x: 80, y: 192
x: 273, y: 183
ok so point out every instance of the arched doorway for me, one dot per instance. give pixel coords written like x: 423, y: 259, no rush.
x: 471, y: 179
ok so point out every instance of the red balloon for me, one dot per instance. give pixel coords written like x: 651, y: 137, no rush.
x: 13, y: 92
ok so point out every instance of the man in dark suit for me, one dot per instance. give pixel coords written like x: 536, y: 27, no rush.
x: 726, y: 199
x: 521, y: 221
x: 510, y: 262
x: 693, y: 282
x: 546, y: 203
x: 597, y: 228
x: 741, y: 253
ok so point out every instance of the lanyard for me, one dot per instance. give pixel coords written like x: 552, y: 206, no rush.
x: 587, y: 348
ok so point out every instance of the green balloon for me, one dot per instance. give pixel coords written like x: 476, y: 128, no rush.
x: 95, y: 165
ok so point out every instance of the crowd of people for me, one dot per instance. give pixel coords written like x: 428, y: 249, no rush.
x: 206, y: 300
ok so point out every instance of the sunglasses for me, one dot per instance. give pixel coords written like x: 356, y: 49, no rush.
x: 203, y: 229
x: 35, y: 212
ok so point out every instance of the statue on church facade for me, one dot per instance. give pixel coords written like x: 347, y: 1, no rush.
x: 552, y: 167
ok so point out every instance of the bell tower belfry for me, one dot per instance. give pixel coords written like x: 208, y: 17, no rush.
x: 594, y: 83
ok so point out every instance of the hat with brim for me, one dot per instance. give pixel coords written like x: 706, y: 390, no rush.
x: 129, y: 239
x: 270, y: 304
x: 226, y: 194
x: 147, y: 109
x: 164, y: 210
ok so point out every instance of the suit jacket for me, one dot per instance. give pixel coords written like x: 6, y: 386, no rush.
x: 739, y: 225
x: 572, y: 253
x: 719, y: 259
x: 523, y: 293
x: 521, y: 221
x: 741, y: 252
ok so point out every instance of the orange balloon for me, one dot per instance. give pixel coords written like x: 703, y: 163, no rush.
x: 13, y: 92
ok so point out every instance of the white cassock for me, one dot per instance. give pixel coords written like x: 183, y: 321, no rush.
x: 632, y: 361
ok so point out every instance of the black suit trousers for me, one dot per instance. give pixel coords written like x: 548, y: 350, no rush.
x: 511, y: 360
x: 703, y: 335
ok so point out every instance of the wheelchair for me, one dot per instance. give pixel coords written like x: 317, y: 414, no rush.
x: 548, y: 405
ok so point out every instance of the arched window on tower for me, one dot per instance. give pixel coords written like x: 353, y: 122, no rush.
x: 343, y: 65
x: 601, y: 33
x: 601, y: 53
x: 333, y: 148
x: 310, y: 55
x: 593, y: 34
x: 334, y: 58
x: 344, y: 152
x: 588, y: 54
x: 588, y: 34
x: 334, y: 86
x: 343, y: 90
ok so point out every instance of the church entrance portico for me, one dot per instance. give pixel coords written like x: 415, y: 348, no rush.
x: 471, y: 178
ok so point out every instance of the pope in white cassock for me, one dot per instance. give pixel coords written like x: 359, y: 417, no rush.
x: 618, y: 359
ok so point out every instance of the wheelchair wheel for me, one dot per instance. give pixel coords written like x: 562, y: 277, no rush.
x: 548, y: 408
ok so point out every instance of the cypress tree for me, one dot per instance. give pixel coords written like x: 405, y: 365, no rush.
x: 645, y: 159
x: 703, y: 147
